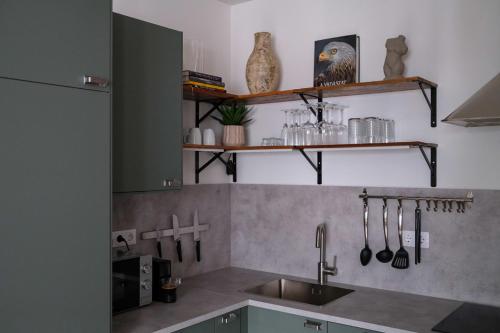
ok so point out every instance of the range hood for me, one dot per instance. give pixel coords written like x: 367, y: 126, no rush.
x: 481, y: 109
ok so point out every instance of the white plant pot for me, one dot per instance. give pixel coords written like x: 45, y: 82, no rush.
x: 233, y: 135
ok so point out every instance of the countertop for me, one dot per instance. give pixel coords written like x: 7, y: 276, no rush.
x: 211, y: 294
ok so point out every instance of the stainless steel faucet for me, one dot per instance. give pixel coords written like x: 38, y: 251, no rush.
x: 323, y: 269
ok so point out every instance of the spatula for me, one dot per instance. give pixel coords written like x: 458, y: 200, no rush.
x: 401, y: 259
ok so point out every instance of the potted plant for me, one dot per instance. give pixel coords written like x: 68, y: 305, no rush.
x: 234, y: 117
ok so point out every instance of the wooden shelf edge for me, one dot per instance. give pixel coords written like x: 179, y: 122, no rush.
x: 361, y: 88
x: 381, y: 146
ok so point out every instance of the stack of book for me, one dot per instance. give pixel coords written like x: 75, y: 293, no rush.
x: 202, y: 80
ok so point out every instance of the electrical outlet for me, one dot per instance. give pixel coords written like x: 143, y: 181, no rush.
x: 129, y: 235
x: 409, y: 239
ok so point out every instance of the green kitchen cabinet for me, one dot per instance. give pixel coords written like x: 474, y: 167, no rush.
x: 256, y: 320
x: 203, y: 327
x: 269, y: 321
x: 147, y: 106
x: 339, y: 328
x: 56, y: 42
x: 55, y: 144
x: 229, y: 322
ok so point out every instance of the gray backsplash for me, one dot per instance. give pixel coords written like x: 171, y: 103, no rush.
x: 144, y: 211
x: 272, y: 228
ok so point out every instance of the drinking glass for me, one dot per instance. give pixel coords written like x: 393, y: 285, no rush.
x: 373, y: 130
x: 388, y: 130
x: 356, y: 131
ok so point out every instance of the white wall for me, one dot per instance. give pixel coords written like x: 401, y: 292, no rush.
x: 203, y: 20
x: 455, y: 43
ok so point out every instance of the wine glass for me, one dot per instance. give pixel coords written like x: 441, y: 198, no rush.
x: 285, y: 131
x: 295, y: 128
x: 330, y: 127
x: 339, y: 123
x: 308, y: 128
x: 321, y: 126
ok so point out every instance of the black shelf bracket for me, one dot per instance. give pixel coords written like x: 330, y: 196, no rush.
x: 199, y: 169
x: 215, y: 106
x: 318, y: 166
x: 431, y: 163
x: 230, y: 164
x: 306, y: 101
x: 432, y: 102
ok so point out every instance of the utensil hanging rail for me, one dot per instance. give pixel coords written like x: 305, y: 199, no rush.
x: 468, y: 198
x: 170, y: 232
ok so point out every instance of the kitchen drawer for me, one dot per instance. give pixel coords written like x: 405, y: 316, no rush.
x: 269, y: 321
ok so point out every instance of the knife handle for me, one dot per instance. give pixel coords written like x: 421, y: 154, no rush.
x: 179, y: 250
x: 198, y: 251
x: 417, y: 235
x: 158, y: 247
x: 419, y: 222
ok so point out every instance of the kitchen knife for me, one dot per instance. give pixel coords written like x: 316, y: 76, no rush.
x: 417, y: 235
x: 158, y: 242
x: 196, y: 232
x: 177, y: 236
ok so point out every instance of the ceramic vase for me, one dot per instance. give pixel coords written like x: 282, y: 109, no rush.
x: 233, y: 135
x: 263, y: 72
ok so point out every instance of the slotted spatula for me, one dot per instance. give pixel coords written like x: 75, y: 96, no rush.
x: 401, y: 259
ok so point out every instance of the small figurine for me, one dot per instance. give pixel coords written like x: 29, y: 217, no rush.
x: 393, y: 65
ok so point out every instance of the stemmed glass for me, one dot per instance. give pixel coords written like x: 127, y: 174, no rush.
x: 308, y: 128
x: 329, y: 133
x: 339, y: 122
x: 296, y: 129
x: 286, y: 131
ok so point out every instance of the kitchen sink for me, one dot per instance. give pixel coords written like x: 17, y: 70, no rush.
x: 299, y: 291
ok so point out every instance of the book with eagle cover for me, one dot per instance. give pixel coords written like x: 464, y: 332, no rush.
x: 336, y: 61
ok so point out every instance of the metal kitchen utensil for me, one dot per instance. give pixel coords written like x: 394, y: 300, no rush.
x: 177, y: 236
x: 366, y: 253
x: 196, y: 234
x: 386, y: 254
x: 418, y: 232
x: 401, y: 258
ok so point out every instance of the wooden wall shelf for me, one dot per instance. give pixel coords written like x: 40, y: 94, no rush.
x: 315, y: 148
x: 191, y: 93
x: 218, y: 151
x: 362, y: 88
x: 217, y: 98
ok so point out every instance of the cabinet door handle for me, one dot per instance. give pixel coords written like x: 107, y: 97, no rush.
x: 314, y: 325
x: 170, y: 182
x: 228, y: 318
x: 89, y: 80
